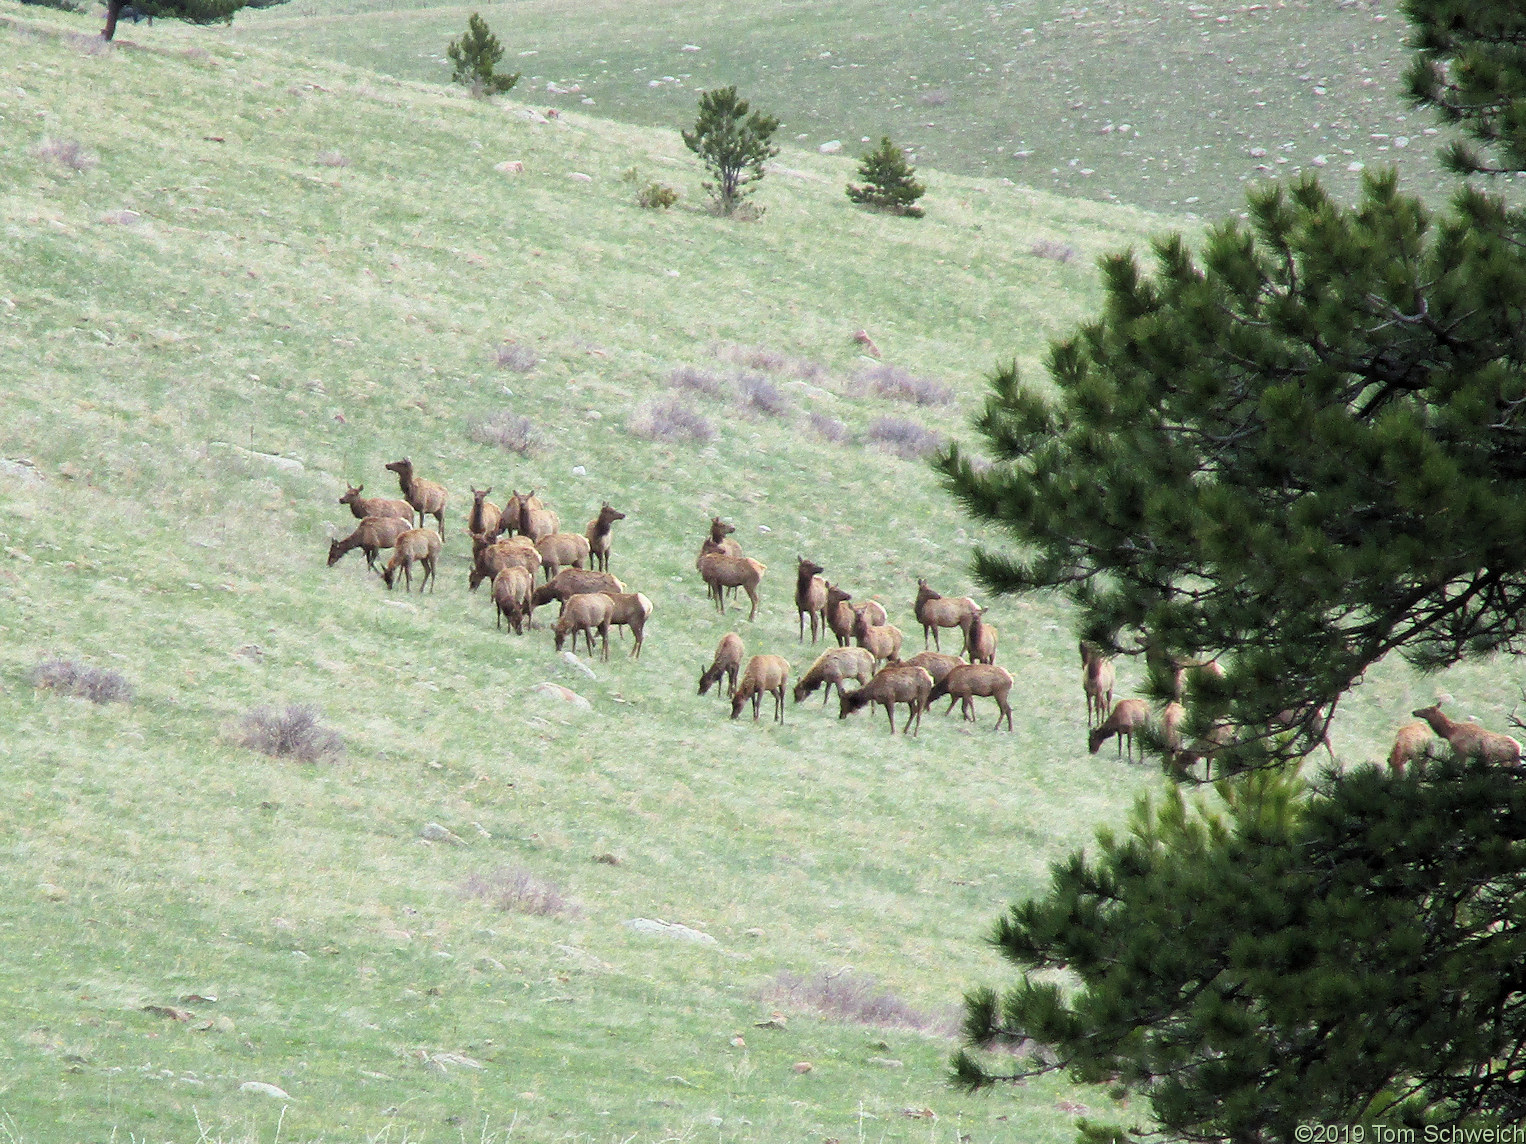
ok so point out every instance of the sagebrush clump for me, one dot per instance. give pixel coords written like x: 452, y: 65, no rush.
x: 670, y: 420
x: 69, y: 677
x: 516, y: 890
x: 507, y: 430
x: 295, y: 733
x: 906, y: 439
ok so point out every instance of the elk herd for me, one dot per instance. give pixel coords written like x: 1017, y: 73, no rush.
x: 513, y: 544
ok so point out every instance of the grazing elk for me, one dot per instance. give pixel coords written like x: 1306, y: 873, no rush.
x: 1469, y: 740
x: 511, y: 597
x: 586, y: 613
x: 969, y: 680
x: 632, y: 610
x: 895, y: 683
x: 832, y: 668
x: 598, y: 536
x: 1129, y: 717
x: 810, y: 597
x: 371, y: 535
x: 728, y: 662
x: 936, y: 663
x: 426, y: 497
x: 488, y: 559
x: 363, y: 507
x: 934, y: 611
x: 765, y: 673
x: 570, y: 582
x: 421, y: 544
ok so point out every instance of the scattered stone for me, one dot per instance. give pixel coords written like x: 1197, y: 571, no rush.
x: 802, y: 1067
x: 461, y: 1060
x: 579, y: 470
x: 772, y: 1023
x: 830, y: 147
x: 510, y: 167
x: 22, y: 470
x: 670, y: 929
x: 887, y: 1062
x: 532, y: 115
x: 1355, y: 165
x: 1258, y: 152
x: 607, y: 859
x: 52, y: 893
x: 563, y: 694
x: 486, y: 963
x: 689, y: 48
x: 434, y: 832
x: 572, y: 661
x: 1318, y: 161
x: 263, y: 1089
x: 578, y: 176
x: 286, y: 464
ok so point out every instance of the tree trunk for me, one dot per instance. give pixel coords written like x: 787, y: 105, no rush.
x: 113, y: 10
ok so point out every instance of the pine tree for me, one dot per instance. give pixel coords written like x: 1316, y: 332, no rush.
x: 191, y: 11
x: 474, y: 57
x: 889, y: 184
x: 732, y: 144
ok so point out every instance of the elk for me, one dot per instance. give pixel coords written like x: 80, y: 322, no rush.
x: 488, y: 559
x: 768, y: 673
x: 370, y: 536
x: 531, y: 519
x: 570, y: 582
x: 895, y: 683
x: 832, y: 668
x: 936, y: 663
x: 728, y: 662
x: 483, y: 519
x: 969, y: 680
x: 839, y: 614
x: 1129, y: 717
x: 722, y: 572
x: 363, y: 507
x: 719, y: 542
x: 561, y: 548
x: 632, y: 610
x: 810, y: 597
x: 586, y: 613
x: 1469, y: 740
x: 1097, y: 678
x: 1412, y: 742
x: 934, y: 611
x: 1171, y: 720
x: 511, y: 597
x: 980, y: 642
x: 421, y: 544
x: 426, y: 497
x: 883, y: 641
x: 598, y: 535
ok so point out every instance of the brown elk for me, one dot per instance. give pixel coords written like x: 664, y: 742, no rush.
x: 363, y: 507
x: 719, y: 542
x: 839, y: 614
x: 632, y: 610
x: 586, y: 613
x: 530, y: 517
x: 570, y: 582
x: 598, y: 536
x: 561, y: 548
x: 810, y: 597
x: 426, y: 497
x: 936, y: 663
x: 969, y: 680
x: 980, y: 642
x: 420, y: 544
x: 1412, y: 742
x: 488, y: 559
x: 765, y: 673
x: 895, y: 683
x: 1129, y: 717
x: 1469, y: 740
x: 483, y: 519
x: 832, y: 668
x: 934, y: 611
x: 882, y: 641
x: 511, y: 597
x: 728, y: 662
x: 722, y: 572
x: 371, y: 535
x: 1097, y: 677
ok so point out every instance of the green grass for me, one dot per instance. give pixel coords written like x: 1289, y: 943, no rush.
x: 1035, y: 91
x: 209, y: 294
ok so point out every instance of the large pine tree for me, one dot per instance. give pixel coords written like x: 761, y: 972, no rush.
x: 1298, y: 451
x: 191, y: 11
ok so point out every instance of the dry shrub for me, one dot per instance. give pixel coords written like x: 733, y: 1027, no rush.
x: 68, y: 153
x: 827, y: 428
x: 759, y: 395
x: 512, y: 355
x: 515, y: 890
x: 296, y: 733
x: 81, y: 680
x: 332, y: 159
x: 753, y: 357
x: 670, y: 420
x: 508, y: 431
x: 697, y: 380
x: 844, y: 997
x: 897, y: 384
x: 906, y: 439
x: 1058, y: 251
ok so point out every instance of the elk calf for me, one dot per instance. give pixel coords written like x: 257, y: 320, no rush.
x: 728, y: 662
x: 767, y: 673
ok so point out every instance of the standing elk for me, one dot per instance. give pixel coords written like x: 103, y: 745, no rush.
x: 1097, y: 678
x: 421, y: 544
x: 934, y: 611
x: 363, y: 507
x: 895, y: 683
x: 598, y: 536
x: 810, y: 597
x: 426, y: 497
x: 722, y: 572
x: 728, y: 662
x: 765, y: 673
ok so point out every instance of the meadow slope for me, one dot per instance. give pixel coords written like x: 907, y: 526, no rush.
x: 234, y: 280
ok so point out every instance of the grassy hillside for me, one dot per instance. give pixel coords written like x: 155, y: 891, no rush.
x: 1172, y: 105
x: 235, y: 281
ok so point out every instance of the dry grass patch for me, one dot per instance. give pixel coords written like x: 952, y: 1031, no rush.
x: 842, y: 996
x: 828, y: 428
x: 759, y: 395
x: 696, y: 380
x: 906, y: 439
x: 897, y: 384
x: 509, y: 431
x: 67, y: 153
x: 515, y: 357
x: 670, y: 420
x: 70, y: 677
x: 514, y: 889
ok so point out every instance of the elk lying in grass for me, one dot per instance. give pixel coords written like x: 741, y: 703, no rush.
x: 489, y: 559
x: 560, y: 549
x: 484, y: 517
x: 765, y: 673
x: 632, y: 610
x: 598, y: 536
x: 934, y: 611
x: 831, y: 668
x: 529, y: 517
x: 363, y: 507
x: 1411, y: 742
x: 570, y: 582
x: 371, y: 535
x: 512, y: 588
x: 426, y: 497
x: 722, y: 572
x: 1097, y: 676
x: 1469, y: 740
x: 882, y: 641
x: 420, y: 544
x: 895, y: 683
x: 969, y: 680
x: 980, y: 642
x: 727, y: 662
x: 1129, y: 717
x: 586, y: 613
x: 810, y: 597
x: 936, y: 663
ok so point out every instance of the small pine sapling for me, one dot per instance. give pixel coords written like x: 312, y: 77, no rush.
x: 888, y: 182
x: 475, y: 55
x: 732, y: 144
